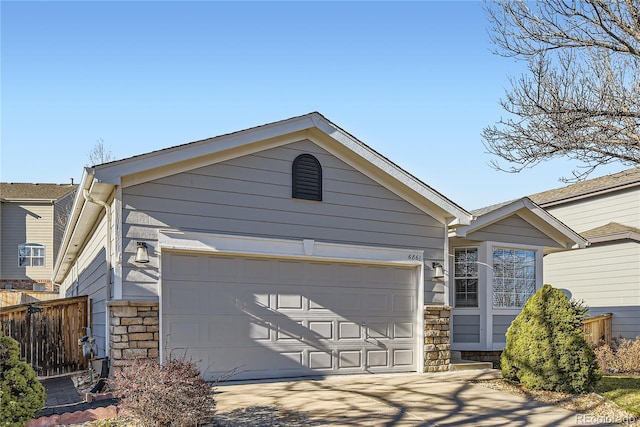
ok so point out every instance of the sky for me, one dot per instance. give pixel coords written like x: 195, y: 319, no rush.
x: 416, y: 81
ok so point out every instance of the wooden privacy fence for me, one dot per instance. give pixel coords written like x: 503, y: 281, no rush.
x: 48, y: 333
x: 597, y: 330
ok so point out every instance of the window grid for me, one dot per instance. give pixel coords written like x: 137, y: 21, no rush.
x: 466, y: 277
x: 514, y: 277
x: 31, y: 255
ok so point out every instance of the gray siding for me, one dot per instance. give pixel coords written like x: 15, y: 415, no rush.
x: 606, y: 277
x: 26, y: 223
x: 500, y: 325
x: 513, y: 230
x: 622, y: 207
x: 251, y: 195
x: 466, y: 328
x: 88, y: 277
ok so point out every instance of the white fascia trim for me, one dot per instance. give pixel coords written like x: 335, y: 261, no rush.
x: 113, y: 172
x: 576, y: 241
x: 193, y: 241
x: 457, y: 214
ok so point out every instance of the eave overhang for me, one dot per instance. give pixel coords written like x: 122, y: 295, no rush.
x: 546, y: 223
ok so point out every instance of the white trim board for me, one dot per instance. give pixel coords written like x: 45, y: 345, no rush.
x: 194, y: 241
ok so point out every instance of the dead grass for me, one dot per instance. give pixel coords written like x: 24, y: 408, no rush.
x: 593, y: 403
x: 623, y: 390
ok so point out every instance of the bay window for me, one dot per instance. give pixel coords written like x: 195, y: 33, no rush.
x: 514, y: 277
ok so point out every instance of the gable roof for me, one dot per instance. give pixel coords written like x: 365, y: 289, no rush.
x: 611, y: 232
x: 19, y: 191
x: 98, y: 182
x: 313, y: 126
x: 617, y: 181
x: 530, y: 212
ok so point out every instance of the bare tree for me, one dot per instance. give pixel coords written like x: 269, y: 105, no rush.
x: 580, y: 98
x: 99, y: 154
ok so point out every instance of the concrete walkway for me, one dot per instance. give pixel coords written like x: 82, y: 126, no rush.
x: 447, y: 399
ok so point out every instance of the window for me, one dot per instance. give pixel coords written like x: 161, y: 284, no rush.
x: 514, y: 277
x: 31, y: 255
x: 466, y: 277
x: 306, y: 178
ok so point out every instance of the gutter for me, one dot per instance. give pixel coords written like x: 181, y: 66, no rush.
x: 77, y: 207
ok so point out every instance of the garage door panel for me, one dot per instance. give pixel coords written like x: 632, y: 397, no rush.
x: 281, y: 318
x: 403, y: 330
x: 289, y: 302
x: 350, y: 359
x: 377, y: 359
x: 322, y: 329
x: 403, y: 357
x: 320, y: 360
x: 349, y: 331
x: 402, y: 303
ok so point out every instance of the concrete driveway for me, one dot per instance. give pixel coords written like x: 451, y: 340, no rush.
x: 447, y: 399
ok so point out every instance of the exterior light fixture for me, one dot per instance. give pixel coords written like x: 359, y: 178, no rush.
x: 438, y: 270
x: 142, y: 255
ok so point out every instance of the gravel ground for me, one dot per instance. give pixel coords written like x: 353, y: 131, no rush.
x: 592, y: 404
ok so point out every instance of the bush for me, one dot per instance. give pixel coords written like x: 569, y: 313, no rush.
x: 621, y: 357
x: 546, y: 348
x: 173, y: 394
x: 21, y: 394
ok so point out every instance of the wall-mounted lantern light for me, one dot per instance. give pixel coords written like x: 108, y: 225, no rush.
x: 142, y: 255
x: 438, y: 270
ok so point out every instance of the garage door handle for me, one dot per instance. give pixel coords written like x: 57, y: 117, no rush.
x: 366, y: 330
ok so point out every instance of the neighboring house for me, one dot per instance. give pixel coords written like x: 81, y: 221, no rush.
x: 606, y: 275
x: 32, y: 220
x: 288, y: 249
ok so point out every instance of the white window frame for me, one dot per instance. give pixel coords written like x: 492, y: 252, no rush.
x: 455, y: 277
x: 29, y: 256
x: 492, y: 282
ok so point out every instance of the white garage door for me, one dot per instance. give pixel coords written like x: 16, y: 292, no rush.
x: 270, y: 318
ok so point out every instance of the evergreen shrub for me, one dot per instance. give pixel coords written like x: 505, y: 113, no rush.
x: 21, y: 394
x: 546, y: 348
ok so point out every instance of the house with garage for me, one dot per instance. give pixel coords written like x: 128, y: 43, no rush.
x: 606, y: 275
x: 290, y: 249
x: 32, y: 220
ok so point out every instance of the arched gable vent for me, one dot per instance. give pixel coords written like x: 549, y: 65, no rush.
x: 306, y: 178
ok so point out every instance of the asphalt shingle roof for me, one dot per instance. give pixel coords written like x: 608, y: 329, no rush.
x: 608, y: 229
x: 26, y: 191
x: 608, y: 182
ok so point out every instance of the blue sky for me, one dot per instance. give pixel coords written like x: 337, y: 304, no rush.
x: 416, y: 81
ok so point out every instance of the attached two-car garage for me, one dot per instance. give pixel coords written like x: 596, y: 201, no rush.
x: 270, y: 317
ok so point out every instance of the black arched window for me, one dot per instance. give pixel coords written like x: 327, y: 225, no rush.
x: 306, y: 178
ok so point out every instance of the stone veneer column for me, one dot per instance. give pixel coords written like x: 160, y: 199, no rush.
x: 133, y: 331
x: 437, y: 346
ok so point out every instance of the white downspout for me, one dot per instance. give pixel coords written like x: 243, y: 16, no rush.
x: 107, y: 209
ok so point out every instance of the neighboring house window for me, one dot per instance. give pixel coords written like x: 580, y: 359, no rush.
x: 39, y: 287
x: 31, y: 255
x: 466, y: 277
x: 306, y: 178
x: 514, y: 277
